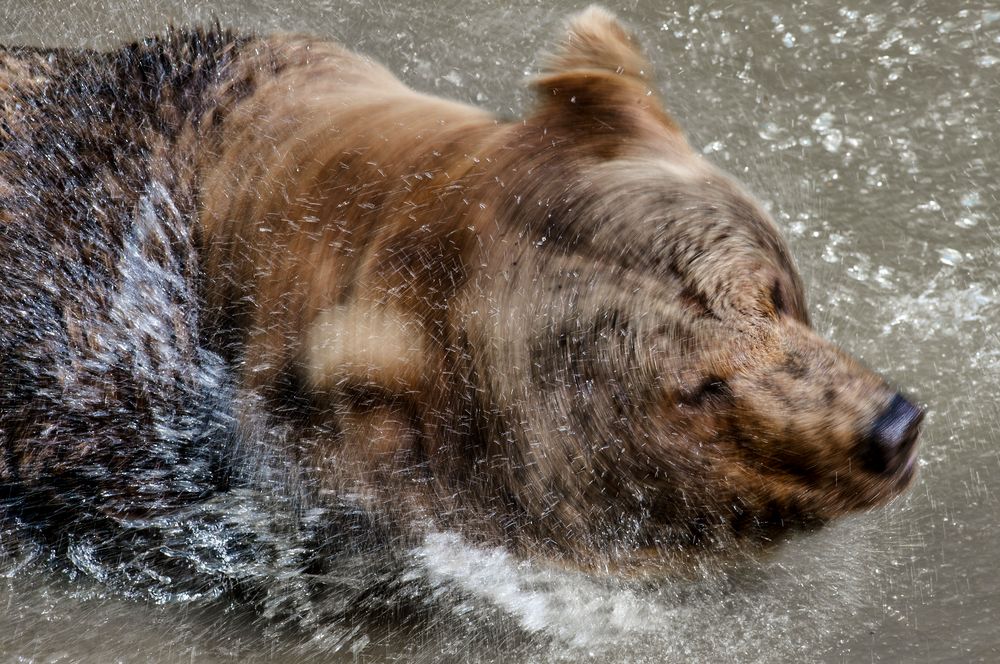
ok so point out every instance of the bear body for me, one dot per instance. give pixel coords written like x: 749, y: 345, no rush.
x: 102, y: 372
x: 567, y: 334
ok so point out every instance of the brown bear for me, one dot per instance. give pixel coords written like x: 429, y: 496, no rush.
x: 568, y: 334
x: 567, y: 331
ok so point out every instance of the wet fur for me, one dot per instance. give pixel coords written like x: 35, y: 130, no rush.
x: 566, y: 333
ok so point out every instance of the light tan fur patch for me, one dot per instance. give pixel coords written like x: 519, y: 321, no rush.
x: 371, y: 342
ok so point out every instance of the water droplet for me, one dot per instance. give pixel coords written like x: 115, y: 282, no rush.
x: 832, y: 140
x: 714, y: 146
x: 769, y: 131
x: 971, y: 199
x: 950, y: 256
x: 823, y: 122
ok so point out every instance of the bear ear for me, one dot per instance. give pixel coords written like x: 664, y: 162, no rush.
x: 596, y: 41
x: 598, y: 80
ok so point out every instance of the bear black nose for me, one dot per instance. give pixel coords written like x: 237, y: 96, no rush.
x: 892, y: 436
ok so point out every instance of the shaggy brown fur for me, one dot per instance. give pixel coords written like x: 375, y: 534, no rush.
x: 567, y: 332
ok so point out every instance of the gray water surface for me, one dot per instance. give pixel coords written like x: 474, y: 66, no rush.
x: 870, y: 131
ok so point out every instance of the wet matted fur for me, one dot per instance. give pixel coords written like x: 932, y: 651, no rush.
x: 568, y: 334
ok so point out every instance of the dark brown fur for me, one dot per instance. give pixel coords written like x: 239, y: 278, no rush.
x: 567, y: 332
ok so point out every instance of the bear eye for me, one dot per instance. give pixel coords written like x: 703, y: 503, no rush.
x: 710, y: 389
x: 713, y: 386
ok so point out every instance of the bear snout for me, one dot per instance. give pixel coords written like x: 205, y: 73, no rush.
x: 888, y: 445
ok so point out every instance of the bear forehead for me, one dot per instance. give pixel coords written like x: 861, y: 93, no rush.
x: 684, y: 201
x: 675, y: 226
x: 635, y: 207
